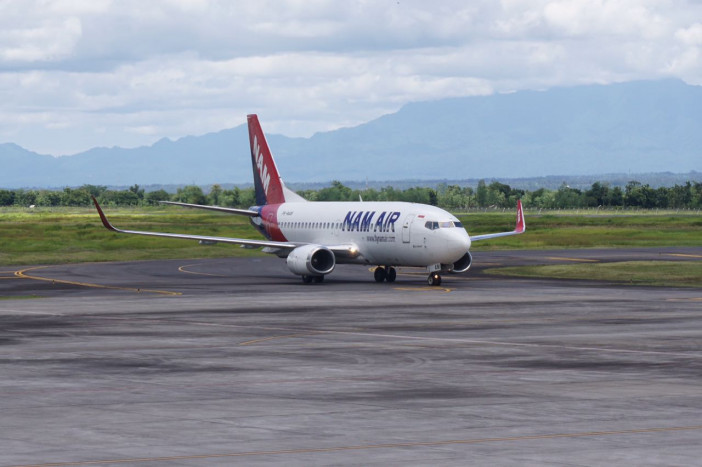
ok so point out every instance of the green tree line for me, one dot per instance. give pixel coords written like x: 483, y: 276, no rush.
x: 454, y: 197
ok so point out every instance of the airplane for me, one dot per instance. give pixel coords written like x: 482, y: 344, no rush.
x: 314, y: 237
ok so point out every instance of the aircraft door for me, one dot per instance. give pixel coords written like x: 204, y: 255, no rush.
x: 406, y: 228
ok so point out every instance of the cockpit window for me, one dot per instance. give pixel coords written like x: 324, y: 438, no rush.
x: 432, y: 225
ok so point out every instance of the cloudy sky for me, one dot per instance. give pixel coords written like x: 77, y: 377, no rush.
x: 77, y: 74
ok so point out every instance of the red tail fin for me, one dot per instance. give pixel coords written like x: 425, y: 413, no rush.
x: 269, y: 187
x: 521, y: 223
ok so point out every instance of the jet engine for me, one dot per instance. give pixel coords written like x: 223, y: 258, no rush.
x: 313, y: 260
x: 463, y: 264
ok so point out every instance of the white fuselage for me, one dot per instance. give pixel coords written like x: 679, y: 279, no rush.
x: 384, y: 233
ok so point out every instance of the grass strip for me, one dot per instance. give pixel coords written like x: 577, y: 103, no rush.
x: 577, y: 231
x: 70, y: 235
x: 651, y: 273
x: 19, y: 297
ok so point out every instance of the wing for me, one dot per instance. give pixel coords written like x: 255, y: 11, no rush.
x: 205, y: 238
x: 520, y: 228
x: 243, y: 212
x: 279, y: 248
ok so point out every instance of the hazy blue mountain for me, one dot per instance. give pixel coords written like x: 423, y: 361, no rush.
x: 636, y: 127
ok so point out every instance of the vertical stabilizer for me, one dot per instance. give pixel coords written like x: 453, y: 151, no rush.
x: 269, y: 187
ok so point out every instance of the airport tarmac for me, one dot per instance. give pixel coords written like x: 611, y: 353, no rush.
x: 235, y: 361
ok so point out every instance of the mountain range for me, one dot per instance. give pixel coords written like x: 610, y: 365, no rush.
x: 634, y: 127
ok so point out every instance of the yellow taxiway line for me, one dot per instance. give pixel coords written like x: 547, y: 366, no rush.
x: 265, y: 339
x: 182, y: 269
x: 22, y: 274
x: 576, y: 260
x: 683, y: 256
x: 425, y: 289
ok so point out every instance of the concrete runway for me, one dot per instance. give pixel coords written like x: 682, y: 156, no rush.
x: 235, y: 361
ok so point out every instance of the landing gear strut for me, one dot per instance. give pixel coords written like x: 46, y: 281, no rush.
x: 387, y: 273
x: 434, y: 279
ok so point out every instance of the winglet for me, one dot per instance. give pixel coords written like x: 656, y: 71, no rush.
x: 105, y: 222
x: 521, y: 223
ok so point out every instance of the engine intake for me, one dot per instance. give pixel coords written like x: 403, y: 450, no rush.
x: 311, y: 259
x: 463, y: 264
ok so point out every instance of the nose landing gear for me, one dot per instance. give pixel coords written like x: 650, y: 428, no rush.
x: 434, y: 279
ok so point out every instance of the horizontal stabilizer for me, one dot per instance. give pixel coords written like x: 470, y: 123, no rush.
x: 243, y: 212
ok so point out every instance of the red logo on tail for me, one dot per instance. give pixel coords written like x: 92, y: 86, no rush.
x: 269, y: 187
x: 261, y: 166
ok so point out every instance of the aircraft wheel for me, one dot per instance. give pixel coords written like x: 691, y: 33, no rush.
x: 307, y: 279
x: 390, y: 274
x: 434, y: 279
x: 318, y: 279
x: 379, y: 274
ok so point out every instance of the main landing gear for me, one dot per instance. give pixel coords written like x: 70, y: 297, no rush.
x: 434, y: 279
x: 307, y: 279
x: 387, y: 273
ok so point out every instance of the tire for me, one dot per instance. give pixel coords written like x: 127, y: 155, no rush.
x: 379, y: 274
x: 390, y: 274
x: 307, y: 279
x: 434, y: 279
x: 318, y: 279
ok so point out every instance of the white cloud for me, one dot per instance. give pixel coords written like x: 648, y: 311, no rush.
x: 52, y: 39
x: 80, y: 74
x: 691, y: 36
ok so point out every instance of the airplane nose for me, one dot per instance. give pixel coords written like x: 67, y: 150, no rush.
x: 459, y: 243
x: 465, y: 241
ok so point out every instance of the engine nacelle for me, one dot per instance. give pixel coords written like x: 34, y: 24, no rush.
x: 463, y: 264
x: 313, y: 260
